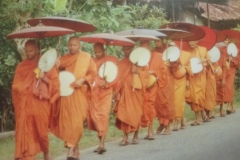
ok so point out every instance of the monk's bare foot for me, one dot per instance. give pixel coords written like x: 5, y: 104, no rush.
x: 160, y: 129
x: 183, y: 123
x: 167, y: 132
x: 124, y: 141
x: 47, y: 156
x: 70, y: 153
x: 135, y: 141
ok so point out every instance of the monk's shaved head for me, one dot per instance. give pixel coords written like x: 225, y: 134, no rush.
x: 99, y: 50
x: 74, y: 45
x: 31, y: 49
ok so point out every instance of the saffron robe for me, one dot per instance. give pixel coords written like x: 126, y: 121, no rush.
x: 197, y: 82
x: 99, y: 111
x: 31, y: 112
x: 180, y: 85
x: 70, y: 112
x: 128, y: 109
x: 164, y: 103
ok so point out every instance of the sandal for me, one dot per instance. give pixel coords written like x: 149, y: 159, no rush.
x: 135, y: 141
x: 195, y: 124
x: 183, y: 127
x: 222, y: 115
x: 123, y: 143
x: 212, y: 117
x: 149, y: 138
x: 228, y: 112
x: 160, y: 129
x: 166, y: 132
x: 101, y: 150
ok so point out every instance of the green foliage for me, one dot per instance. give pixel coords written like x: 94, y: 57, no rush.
x: 8, y: 60
x: 145, y: 17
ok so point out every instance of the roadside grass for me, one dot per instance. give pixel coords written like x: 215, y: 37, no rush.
x: 89, y: 138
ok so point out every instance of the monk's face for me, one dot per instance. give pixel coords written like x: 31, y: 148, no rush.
x: 31, y: 51
x: 193, y: 44
x: 145, y: 44
x: 99, y: 51
x: 159, y: 43
x: 127, y: 50
x: 74, y: 45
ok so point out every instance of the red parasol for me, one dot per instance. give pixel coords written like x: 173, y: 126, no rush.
x: 197, y: 32
x: 141, y: 34
x: 232, y: 35
x: 65, y: 22
x: 220, y: 36
x: 209, y: 40
x: 40, y: 32
x: 107, y: 39
x: 174, y: 34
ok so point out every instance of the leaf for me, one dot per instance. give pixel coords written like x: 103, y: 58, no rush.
x: 60, y: 5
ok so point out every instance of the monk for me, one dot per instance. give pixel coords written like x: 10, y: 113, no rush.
x: 211, y: 93
x: 197, y: 82
x: 33, y: 93
x: 149, y: 112
x: 99, y: 112
x: 181, y: 71
x: 228, y: 90
x: 164, y: 103
x: 70, y: 111
x: 221, y: 80
x: 129, y: 97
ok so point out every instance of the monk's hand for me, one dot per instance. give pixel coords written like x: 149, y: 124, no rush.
x: 57, y: 63
x: 187, y: 85
x: 134, y: 69
x: 223, y: 82
x: 103, y: 84
x: 41, y: 75
x: 78, y: 83
x: 204, y: 62
x: 117, y: 97
x: 151, y: 72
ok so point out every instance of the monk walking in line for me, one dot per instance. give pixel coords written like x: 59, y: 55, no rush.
x: 164, y: 103
x: 197, y: 82
x: 149, y: 112
x: 32, y: 107
x: 181, y: 71
x: 129, y: 97
x: 99, y: 111
x: 70, y: 112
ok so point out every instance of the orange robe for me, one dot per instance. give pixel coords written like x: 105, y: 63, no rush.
x: 99, y: 111
x: 149, y: 112
x: 180, y: 86
x: 164, y: 103
x: 197, y: 82
x: 228, y: 89
x: 128, y: 109
x: 221, y: 63
x: 31, y: 112
x: 211, y: 93
x: 70, y: 111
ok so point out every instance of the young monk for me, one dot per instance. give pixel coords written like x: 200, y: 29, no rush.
x: 149, y: 112
x: 181, y: 71
x: 32, y: 107
x: 99, y: 112
x: 164, y: 103
x: 197, y: 82
x: 129, y: 97
x: 70, y: 112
